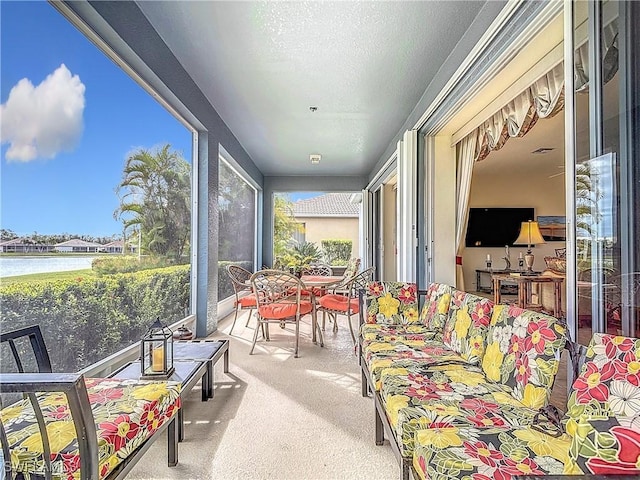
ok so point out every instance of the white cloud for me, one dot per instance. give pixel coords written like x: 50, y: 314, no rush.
x: 40, y: 122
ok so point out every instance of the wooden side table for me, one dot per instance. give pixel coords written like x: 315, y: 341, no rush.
x: 524, y: 290
x: 480, y: 272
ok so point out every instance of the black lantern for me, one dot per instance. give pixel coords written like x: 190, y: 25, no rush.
x: 156, y: 352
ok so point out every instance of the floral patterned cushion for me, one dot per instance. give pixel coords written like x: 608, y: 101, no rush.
x: 448, y: 452
x: 436, y: 306
x: 523, y: 351
x: 465, y: 329
x: 604, y: 407
x: 126, y: 413
x: 394, y: 303
x: 381, y: 355
x: 419, y: 397
x: 381, y: 333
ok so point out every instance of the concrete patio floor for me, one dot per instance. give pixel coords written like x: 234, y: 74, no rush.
x: 278, y: 417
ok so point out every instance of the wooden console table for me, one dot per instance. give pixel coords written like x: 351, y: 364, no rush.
x: 524, y: 290
x: 480, y: 272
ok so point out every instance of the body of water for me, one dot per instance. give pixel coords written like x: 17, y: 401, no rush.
x: 14, y: 266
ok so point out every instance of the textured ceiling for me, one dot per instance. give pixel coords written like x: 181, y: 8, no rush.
x: 364, y: 65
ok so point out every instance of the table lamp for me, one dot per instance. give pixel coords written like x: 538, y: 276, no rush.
x: 529, y: 235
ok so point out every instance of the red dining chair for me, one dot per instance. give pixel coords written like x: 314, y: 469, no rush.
x: 245, y: 300
x: 280, y: 301
x: 318, y: 270
x: 347, y: 303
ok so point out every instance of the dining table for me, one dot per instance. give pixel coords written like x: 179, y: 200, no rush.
x: 317, y: 285
x: 314, y: 285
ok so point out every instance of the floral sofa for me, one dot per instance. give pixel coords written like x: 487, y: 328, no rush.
x: 459, y: 369
x: 600, y: 432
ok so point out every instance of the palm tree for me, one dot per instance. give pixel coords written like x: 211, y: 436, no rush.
x: 155, y: 197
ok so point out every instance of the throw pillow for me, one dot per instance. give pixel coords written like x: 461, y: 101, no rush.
x: 561, y: 252
x: 556, y: 264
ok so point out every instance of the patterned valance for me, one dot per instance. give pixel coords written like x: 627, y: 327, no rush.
x: 543, y: 99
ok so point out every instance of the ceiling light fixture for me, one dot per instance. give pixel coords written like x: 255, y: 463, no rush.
x: 542, y: 150
x: 315, y: 158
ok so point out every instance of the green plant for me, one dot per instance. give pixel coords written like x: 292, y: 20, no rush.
x: 337, y: 252
x: 128, y: 264
x: 301, y: 255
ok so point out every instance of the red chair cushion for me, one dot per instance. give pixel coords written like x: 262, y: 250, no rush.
x: 317, y: 291
x: 248, y: 301
x: 339, y: 303
x: 282, y: 310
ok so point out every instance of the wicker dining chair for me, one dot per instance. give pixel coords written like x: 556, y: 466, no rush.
x: 319, y: 269
x: 280, y: 301
x: 347, y: 304
x: 245, y: 299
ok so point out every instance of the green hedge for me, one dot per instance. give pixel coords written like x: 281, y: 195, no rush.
x: 86, y: 320
x: 337, y: 252
x: 225, y: 287
x: 127, y: 264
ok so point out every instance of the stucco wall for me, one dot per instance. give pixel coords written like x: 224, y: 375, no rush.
x: 322, y: 228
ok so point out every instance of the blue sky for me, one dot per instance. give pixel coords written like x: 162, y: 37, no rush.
x: 68, y: 127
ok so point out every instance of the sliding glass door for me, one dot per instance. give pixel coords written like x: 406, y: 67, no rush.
x: 607, y: 172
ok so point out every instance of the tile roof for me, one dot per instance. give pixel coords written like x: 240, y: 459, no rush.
x: 76, y: 242
x: 14, y: 241
x: 327, y: 205
x: 115, y: 243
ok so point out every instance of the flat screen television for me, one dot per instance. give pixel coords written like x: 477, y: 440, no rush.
x: 495, y: 227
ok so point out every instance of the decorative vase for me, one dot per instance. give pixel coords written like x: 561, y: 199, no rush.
x: 183, y: 333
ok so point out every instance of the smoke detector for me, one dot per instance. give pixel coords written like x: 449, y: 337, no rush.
x: 315, y: 158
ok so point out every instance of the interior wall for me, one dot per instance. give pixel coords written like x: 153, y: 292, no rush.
x: 442, y: 181
x: 511, y: 188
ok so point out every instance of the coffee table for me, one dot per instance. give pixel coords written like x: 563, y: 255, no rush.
x: 208, y: 351
x: 193, y: 361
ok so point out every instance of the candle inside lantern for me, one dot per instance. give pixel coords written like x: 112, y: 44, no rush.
x: 157, y: 360
x: 488, y: 257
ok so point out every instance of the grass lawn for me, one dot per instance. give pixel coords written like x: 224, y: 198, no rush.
x: 41, y: 277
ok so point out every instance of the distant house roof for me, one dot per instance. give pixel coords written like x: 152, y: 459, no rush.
x: 14, y: 241
x: 115, y: 243
x: 76, y: 242
x: 327, y: 205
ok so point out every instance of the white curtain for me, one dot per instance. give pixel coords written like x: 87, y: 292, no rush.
x: 466, y: 158
x: 543, y: 99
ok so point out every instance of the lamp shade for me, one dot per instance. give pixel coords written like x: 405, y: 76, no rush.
x: 529, y: 234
